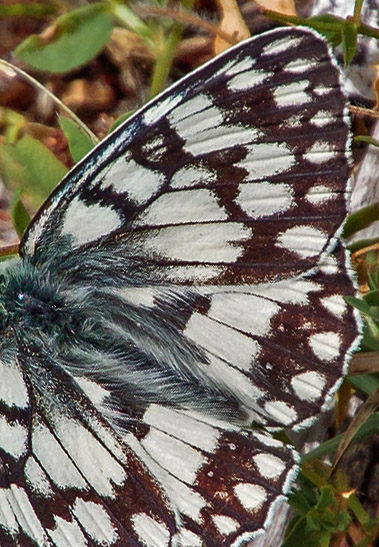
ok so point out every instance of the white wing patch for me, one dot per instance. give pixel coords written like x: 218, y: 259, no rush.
x: 308, y: 385
x: 267, y: 159
x: 247, y: 80
x: 326, y: 345
x: 319, y: 153
x: 188, y: 176
x: 321, y: 119
x: 16, y: 512
x: 260, y: 199
x: 222, y: 341
x: 182, y: 207
x: 13, y: 438
x: 281, y: 412
x: 156, y: 112
x: 251, y: 496
x: 336, y: 304
x: 302, y: 65
x: 293, y: 93
x: 183, y: 427
x: 85, y: 223
x: 281, y: 45
x: 96, y: 521
x: 239, y: 311
x: 54, y: 460
x: 97, y: 465
x: 292, y: 291
x: 151, y: 532
x: 214, y: 139
x: 196, y: 243
x: 226, y: 525
x: 127, y: 176
x: 67, y: 533
x: 319, y: 194
x: 37, y: 478
x: 13, y: 390
x: 269, y: 465
x: 305, y: 241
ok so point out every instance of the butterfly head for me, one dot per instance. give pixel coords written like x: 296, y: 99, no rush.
x: 30, y: 308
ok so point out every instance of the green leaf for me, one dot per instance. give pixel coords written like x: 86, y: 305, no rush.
x: 32, y: 166
x: 19, y: 214
x: 373, y: 276
x: 368, y: 383
x: 370, y: 340
x: 79, y: 142
x: 372, y: 298
x: 312, y: 523
x: 326, y: 498
x: 349, y: 41
x: 297, y: 535
x: 299, y: 502
x: 362, y: 244
x: 358, y: 303
x: 75, y: 39
x: 329, y: 26
x: 128, y: 18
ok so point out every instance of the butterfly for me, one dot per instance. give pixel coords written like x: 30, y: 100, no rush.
x: 183, y: 283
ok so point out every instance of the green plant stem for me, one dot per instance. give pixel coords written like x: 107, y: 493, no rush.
x: 163, y: 64
x: 293, y: 20
x: 366, y: 139
x: 330, y: 446
x: 164, y: 61
x: 35, y: 83
x: 368, y: 31
x: 357, y: 11
x: 314, y: 477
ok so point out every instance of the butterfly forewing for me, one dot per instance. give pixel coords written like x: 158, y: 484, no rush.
x: 230, y: 176
x: 182, y: 282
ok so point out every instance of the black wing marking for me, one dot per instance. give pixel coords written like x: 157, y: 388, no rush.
x: 236, y: 174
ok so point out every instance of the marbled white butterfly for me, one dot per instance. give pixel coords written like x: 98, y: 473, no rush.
x: 182, y: 283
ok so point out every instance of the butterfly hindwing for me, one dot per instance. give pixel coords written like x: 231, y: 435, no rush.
x: 69, y: 479
x: 221, y: 479
x: 280, y: 348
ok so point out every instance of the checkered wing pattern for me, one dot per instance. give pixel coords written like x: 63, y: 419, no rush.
x: 182, y: 283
